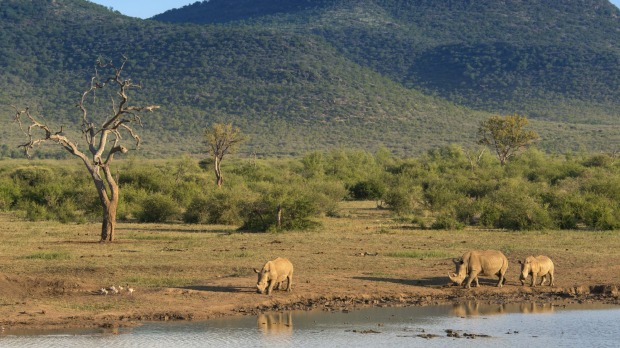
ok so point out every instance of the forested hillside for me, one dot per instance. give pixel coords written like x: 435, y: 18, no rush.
x: 535, y: 56
x: 306, y: 75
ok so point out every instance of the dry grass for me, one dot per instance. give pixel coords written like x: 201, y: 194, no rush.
x: 182, y: 255
x: 363, y: 251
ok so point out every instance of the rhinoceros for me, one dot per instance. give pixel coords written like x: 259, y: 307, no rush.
x: 480, y: 262
x: 274, y: 273
x: 537, y: 266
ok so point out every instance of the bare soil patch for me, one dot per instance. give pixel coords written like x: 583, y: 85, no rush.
x: 52, y: 273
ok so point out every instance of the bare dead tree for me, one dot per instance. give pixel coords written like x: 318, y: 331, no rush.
x: 474, y: 156
x: 102, y: 137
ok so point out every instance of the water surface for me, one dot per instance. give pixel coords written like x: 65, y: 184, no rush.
x: 482, y: 325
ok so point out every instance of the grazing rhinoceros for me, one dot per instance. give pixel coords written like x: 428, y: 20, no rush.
x: 273, y: 273
x: 480, y: 262
x: 537, y: 266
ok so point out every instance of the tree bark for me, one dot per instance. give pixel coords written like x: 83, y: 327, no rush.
x: 96, y: 138
x: 218, y: 172
x: 109, y: 222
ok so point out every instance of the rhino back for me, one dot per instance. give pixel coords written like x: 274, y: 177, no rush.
x: 488, y: 261
x: 544, y: 264
x: 282, y: 266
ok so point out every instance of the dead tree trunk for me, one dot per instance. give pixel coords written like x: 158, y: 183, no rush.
x: 96, y: 138
x: 217, y: 164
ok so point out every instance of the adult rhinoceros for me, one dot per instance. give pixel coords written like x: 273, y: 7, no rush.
x: 273, y: 273
x: 480, y: 262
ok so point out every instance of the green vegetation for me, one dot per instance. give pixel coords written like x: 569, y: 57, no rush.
x: 419, y: 254
x: 491, y: 55
x: 443, y: 189
x: 300, y: 76
x: 506, y: 135
x: 53, y: 255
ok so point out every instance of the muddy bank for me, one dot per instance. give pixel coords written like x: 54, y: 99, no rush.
x: 173, y: 304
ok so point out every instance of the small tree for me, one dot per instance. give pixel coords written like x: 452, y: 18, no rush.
x: 96, y: 136
x: 506, y: 135
x: 222, y: 139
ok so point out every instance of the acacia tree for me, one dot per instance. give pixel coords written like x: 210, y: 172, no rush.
x: 506, y: 135
x: 222, y: 139
x: 102, y: 136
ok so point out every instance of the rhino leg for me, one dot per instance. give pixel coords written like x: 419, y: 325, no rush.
x: 272, y: 284
x: 501, y: 281
x: 543, y: 279
x: 473, y: 275
x: 289, y: 283
x: 551, y: 283
x: 534, y: 277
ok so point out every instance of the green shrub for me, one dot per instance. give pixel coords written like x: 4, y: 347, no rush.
x: 35, y: 212
x: 520, y: 211
x: 368, y: 189
x: 600, y: 213
x: 9, y: 194
x: 295, y: 206
x: 446, y: 221
x: 197, y: 211
x: 158, y: 208
x: 403, y: 200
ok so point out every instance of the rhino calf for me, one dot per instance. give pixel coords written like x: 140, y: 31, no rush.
x: 537, y: 266
x: 273, y: 274
x: 480, y: 262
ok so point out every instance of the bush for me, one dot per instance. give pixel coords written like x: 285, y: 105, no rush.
x: 295, y: 206
x: 158, y: 208
x: 403, y: 200
x: 368, y: 189
x: 447, y: 222
x: 519, y: 211
x: 222, y: 206
x: 600, y: 213
x: 9, y: 194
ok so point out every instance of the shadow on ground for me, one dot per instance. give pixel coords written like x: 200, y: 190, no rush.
x: 217, y: 288
x: 432, y: 282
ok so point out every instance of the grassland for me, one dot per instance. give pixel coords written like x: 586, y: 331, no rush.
x: 51, y: 272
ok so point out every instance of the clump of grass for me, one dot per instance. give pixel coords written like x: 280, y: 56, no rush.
x: 157, y: 236
x: 384, y: 230
x: 244, y: 254
x: 241, y: 272
x: 166, y: 282
x: 418, y: 254
x: 53, y: 255
x: 93, y: 307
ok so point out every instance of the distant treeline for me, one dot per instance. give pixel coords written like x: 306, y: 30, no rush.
x: 447, y: 188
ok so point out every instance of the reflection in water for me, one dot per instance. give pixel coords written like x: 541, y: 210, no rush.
x: 536, y: 307
x: 275, y: 323
x: 474, y: 308
x: 513, y: 325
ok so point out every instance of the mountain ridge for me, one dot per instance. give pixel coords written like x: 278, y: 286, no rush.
x: 316, y: 87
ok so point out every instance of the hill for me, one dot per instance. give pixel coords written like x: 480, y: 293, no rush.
x: 312, y: 75
x: 534, y: 56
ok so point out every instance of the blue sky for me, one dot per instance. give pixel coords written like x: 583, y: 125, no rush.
x: 149, y: 8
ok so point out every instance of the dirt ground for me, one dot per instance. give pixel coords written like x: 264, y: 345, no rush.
x: 361, y: 261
